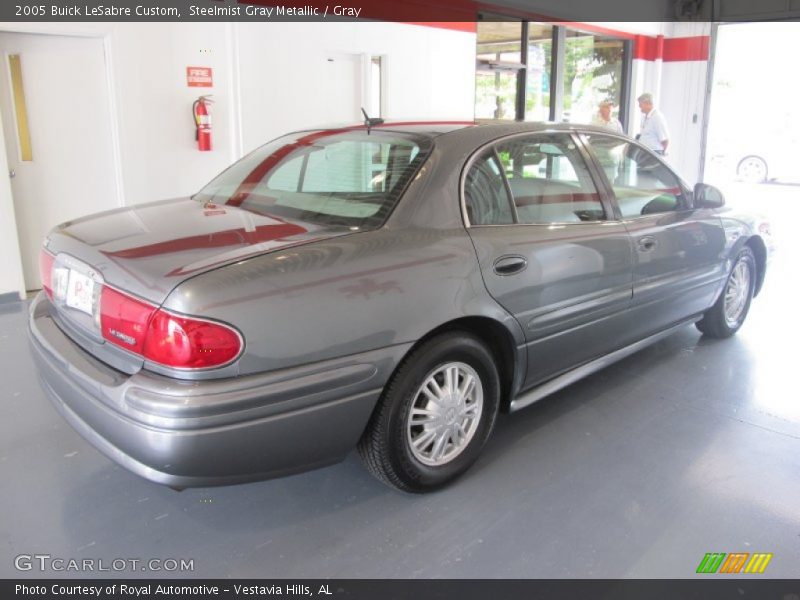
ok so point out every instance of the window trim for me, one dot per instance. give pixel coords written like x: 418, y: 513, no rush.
x: 609, y: 217
x: 506, y: 184
x: 490, y: 154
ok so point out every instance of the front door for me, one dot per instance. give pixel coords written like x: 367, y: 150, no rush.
x: 678, y: 250
x: 550, y: 251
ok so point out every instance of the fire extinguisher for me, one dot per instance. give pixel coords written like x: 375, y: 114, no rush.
x: 202, y: 123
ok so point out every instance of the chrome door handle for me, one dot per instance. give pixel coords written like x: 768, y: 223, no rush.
x: 647, y: 243
x: 509, y: 264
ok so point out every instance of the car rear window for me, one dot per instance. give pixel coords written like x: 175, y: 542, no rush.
x: 350, y: 178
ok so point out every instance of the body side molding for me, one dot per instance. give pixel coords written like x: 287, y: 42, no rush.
x: 574, y: 375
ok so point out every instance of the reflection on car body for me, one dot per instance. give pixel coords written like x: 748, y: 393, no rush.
x: 391, y: 289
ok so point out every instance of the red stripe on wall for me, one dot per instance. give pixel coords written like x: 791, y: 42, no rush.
x: 672, y: 49
x: 687, y: 48
x: 646, y: 47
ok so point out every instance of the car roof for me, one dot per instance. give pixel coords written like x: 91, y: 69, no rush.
x: 477, y: 130
x: 418, y: 127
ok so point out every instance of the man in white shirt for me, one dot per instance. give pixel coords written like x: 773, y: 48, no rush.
x: 654, y: 133
x: 604, y: 119
x: 608, y: 155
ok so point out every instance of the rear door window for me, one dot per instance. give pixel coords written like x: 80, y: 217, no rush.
x: 549, y: 180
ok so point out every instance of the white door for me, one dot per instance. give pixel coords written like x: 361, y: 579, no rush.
x: 72, y: 169
x: 343, y: 103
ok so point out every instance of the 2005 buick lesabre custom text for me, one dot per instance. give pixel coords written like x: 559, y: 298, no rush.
x: 389, y: 288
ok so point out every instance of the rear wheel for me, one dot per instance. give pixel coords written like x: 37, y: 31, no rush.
x: 435, y: 414
x: 730, y: 310
x: 752, y: 169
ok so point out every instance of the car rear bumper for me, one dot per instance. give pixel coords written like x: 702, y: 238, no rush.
x: 210, y: 432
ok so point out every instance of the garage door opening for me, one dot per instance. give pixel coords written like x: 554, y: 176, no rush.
x: 754, y: 118
x: 752, y: 153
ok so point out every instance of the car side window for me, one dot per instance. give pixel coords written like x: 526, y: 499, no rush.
x: 485, y: 194
x: 642, y: 184
x: 549, y: 180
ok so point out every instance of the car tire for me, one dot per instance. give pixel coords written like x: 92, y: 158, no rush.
x: 752, y: 169
x: 417, y: 445
x: 730, y: 310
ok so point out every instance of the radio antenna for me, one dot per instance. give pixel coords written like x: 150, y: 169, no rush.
x: 370, y: 122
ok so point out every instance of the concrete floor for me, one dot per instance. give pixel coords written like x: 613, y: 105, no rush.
x: 690, y: 446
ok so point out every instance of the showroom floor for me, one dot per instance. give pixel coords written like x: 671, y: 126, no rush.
x: 690, y: 446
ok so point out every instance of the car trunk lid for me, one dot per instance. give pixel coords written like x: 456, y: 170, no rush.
x: 149, y: 249
x: 145, y: 251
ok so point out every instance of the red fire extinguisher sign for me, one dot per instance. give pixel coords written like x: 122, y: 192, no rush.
x: 199, y: 77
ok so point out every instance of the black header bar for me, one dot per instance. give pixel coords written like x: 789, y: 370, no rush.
x: 711, y: 588
x: 444, y: 11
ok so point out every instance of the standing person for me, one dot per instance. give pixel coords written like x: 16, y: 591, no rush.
x: 603, y: 117
x: 654, y: 133
x: 609, y: 155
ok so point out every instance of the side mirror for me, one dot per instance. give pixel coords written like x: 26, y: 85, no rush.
x: 707, y: 196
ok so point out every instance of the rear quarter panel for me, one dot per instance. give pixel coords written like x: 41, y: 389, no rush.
x: 342, y: 296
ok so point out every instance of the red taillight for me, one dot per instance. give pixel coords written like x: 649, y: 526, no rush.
x: 188, y: 343
x: 164, y: 338
x: 46, y: 261
x: 124, y: 320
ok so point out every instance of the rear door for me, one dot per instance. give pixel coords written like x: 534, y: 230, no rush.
x: 550, y: 251
x: 678, y: 250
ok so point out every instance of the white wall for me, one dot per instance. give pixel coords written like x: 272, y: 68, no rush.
x: 268, y: 80
x: 430, y: 72
x: 158, y: 153
x: 682, y: 100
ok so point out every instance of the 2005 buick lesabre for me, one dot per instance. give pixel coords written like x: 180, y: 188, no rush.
x: 390, y: 287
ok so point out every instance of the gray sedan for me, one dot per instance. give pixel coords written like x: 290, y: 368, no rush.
x: 390, y: 287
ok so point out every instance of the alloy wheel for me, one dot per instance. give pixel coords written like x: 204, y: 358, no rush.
x: 736, y: 293
x: 445, y: 413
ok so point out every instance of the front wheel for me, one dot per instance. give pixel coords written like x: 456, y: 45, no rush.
x: 435, y: 414
x: 730, y: 310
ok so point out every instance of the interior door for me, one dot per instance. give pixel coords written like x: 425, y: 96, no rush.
x: 71, y: 171
x: 549, y: 250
